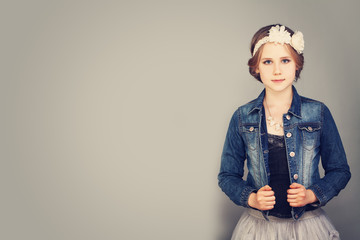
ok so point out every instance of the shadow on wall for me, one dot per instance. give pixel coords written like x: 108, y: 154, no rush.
x: 229, y: 214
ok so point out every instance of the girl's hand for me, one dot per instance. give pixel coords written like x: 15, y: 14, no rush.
x: 264, y: 199
x: 299, y: 196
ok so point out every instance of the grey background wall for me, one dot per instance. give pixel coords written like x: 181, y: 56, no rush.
x: 114, y: 113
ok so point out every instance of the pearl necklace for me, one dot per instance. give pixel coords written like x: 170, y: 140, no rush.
x: 272, y: 121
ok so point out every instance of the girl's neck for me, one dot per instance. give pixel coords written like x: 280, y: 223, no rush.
x: 278, y: 99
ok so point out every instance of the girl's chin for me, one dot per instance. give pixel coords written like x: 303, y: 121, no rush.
x: 278, y: 88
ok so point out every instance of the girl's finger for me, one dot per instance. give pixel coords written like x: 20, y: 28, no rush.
x: 292, y: 191
x: 268, y: 188
x: 269, y: 199
x: 270, y: 203
x: 292, y: 199
x: 291, y: 196
x: 265, y: 188
x: 295, y: 185
x: 268, y: 193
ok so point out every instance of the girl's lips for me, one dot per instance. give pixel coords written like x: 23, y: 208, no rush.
x: 278, y: 80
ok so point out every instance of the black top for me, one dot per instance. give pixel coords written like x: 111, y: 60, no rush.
x: 279, y: 178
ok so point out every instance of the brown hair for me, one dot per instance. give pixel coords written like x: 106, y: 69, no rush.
x: 255, y: 60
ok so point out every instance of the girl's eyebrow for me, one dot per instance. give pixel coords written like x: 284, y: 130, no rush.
x: 269, y: 58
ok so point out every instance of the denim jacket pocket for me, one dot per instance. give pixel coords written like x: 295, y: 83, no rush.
x: 251, y: 132
x: 311, y: 135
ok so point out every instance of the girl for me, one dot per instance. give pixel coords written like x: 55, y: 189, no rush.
x: 282, y: 135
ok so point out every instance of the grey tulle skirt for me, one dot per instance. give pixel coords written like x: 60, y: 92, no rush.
x: 313, y: 225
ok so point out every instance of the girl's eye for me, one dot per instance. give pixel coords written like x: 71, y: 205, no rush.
x: 285, y: 60
x: 267, y: 62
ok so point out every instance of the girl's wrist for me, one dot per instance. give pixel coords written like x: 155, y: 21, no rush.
x: 310, y: 195
x: 252, y: 200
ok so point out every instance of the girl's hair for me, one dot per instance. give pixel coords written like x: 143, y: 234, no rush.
x: 255, y: 60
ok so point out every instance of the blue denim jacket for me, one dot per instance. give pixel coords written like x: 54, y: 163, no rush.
x: 310, y: 133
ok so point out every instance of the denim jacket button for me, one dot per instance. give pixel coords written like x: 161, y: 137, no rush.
x: 310, y: 129
x: 292, y: 154
x: 288, y: 134
x: 288, y: 117
x: 296, y: 176
x: 251, y: 129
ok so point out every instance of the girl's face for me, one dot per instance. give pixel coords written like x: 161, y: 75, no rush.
x: 276, y: 67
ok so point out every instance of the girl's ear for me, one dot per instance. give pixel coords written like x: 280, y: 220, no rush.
x: 257, y: 70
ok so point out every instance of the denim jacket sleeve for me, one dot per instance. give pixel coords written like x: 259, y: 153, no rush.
x: 232, y: 165
x: 333, y: 160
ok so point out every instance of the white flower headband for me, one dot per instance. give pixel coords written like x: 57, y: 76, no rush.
x: 278, y: 34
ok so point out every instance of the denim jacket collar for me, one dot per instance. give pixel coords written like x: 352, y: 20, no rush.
x: 295, y: 107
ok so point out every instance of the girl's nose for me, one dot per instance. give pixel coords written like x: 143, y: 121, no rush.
x: 277, y: 69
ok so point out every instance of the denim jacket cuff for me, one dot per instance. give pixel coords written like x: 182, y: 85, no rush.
x: 322, y: 200
x: 244, y: 198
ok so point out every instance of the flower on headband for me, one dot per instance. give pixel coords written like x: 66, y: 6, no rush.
x: 278, y: 34
x: 297, y: 42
